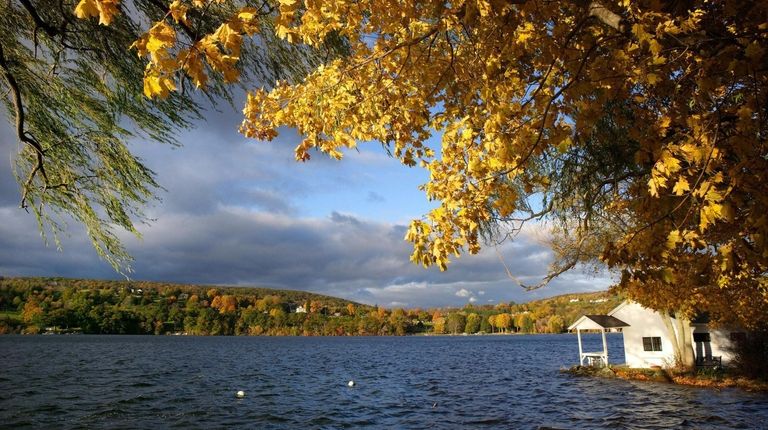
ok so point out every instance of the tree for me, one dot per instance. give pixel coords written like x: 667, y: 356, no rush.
x: 556, y: 324
x: 32, y: 314
x: 73, y: 90
x: 473, y: 323
x: 521, y: 90
x: 438, y: 325
x: 226, y: 303
x: 399, y: 321
x: 524, y: 322
x: 455, y: 323
x: 485, y: 325
x: 501, y: 321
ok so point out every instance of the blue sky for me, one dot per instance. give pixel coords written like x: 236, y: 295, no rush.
x: 241, y: 212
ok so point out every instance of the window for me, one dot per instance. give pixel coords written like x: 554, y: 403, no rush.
x: 652, y: 344
x: 701, y: 337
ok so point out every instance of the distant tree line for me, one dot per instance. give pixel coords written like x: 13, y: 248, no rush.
x: 39, y: 305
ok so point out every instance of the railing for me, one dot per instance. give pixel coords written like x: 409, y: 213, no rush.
x: 594, y: 359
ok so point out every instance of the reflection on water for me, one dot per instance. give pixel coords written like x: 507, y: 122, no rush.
x: 410, y: 382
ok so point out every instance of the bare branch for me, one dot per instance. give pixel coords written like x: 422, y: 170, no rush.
x: 607, y: 17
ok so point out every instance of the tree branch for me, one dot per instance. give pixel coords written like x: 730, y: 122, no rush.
x: 49, y: 30
x: 20, y: 132
x: 607, y: 17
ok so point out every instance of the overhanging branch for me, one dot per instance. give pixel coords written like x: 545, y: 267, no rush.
x: 22, y: 135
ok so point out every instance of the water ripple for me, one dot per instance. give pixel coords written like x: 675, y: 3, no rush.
x: 113, y: 382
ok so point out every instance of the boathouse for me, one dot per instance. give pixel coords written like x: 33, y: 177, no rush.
x: 646, y: 338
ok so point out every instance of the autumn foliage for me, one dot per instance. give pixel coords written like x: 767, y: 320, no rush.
x: 670, y: 96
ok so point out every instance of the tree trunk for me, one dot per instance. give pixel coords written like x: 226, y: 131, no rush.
x: 685, y: 342
x: 671, y: 335
x: 680, y: 338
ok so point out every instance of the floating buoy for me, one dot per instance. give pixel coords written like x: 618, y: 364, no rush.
x: 240, y: 394
x: 351, y: 384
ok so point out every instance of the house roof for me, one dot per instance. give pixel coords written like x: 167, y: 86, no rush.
x: 597, y: 322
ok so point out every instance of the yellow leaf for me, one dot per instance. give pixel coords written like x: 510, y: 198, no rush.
x: 86, y: 9
x: 525, y: 32
x: 564, y: 144
x: 655, y: 183
x: 178, y: 11
x: 671, y: 164
x: 229, y: 38
x: 161, y: 36
x: 673, y: 239
x: 156, y: 85
x: 484, y: 7
x: 193, y: 66
x: 709, y: 214
x: 681, y: 187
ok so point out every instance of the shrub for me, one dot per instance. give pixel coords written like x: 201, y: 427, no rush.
x: 751, y: 354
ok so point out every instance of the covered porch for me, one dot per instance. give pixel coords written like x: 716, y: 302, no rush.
x: 601, y: 323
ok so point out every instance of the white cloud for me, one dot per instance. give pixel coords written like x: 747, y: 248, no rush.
x: 463, y: 293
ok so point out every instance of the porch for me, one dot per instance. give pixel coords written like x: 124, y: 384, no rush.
x: 601, y: 323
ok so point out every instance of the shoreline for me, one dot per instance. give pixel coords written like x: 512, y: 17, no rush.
x: 715, y: 379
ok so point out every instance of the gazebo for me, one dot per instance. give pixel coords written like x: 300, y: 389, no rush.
x: 602, y: 323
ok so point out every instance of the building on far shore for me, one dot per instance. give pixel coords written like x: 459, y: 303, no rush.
x: 646, y: 338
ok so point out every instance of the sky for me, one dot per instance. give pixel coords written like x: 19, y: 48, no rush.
x: 236, y: 211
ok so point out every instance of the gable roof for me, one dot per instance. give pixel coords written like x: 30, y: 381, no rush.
x: 621, y: 305
x: 597, y: 322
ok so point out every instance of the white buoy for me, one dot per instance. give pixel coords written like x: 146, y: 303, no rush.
x: 240, y: 394
x: 351, y: 384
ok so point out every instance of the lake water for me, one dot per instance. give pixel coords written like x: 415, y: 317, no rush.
x: 401, y: 382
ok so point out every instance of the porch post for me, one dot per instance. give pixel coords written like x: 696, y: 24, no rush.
x: 605, y: 349
x: 581, y: 354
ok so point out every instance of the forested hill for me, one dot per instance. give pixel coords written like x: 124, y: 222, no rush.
x: 142, y: 307
x: 58, y: 305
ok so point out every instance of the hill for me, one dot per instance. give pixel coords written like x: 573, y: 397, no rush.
x: 34, y: 305
x: 142, y: 307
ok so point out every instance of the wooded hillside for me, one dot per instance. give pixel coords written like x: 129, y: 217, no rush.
x: 58, y: 305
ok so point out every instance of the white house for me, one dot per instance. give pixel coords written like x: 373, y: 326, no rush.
x: 647, y: 342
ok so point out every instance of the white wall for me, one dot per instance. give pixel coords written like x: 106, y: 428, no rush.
x: 720, y: 342
x: 644, y: 323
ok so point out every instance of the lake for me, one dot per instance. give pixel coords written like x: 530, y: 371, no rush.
x: 415, y: 382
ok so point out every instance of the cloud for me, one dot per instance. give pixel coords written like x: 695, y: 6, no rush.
x: 344, y: 219
x: 362, y: 260
x: 245, y: 213
x: 463, y: 293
